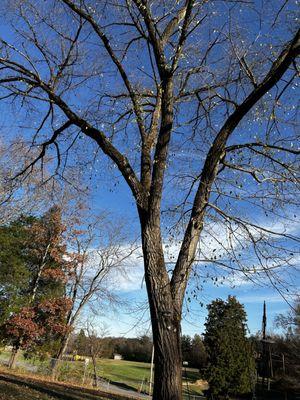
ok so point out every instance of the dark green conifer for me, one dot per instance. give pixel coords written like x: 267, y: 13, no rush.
x: 230, y: 368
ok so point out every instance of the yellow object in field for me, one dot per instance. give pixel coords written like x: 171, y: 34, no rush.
x: 77, y: 357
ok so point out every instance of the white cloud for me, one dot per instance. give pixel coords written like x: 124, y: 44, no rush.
x: 269, y: 298
x: 132, y: 274
x: 132, y: 277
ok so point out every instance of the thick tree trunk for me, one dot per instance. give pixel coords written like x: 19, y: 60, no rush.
x: 168, y: 362
x: 165, y: 319
x: 13, y: 358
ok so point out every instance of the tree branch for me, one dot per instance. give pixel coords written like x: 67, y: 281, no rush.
x: 98, y: 136
x: 116, y: 61
x: 215, y: 154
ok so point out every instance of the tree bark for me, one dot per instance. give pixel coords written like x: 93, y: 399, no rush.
x: 13, y: 358
x: 168, y: 361
x: 165, y: 318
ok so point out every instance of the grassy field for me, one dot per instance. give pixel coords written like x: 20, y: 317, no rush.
x: 132, y: 374
x: 11, y: 391
x: 126, y: 374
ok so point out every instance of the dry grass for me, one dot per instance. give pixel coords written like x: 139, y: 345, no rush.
x: 12, y: 391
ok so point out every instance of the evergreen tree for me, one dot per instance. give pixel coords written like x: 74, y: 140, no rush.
x: 14, y: 271
x: 80, y: 343
x: 32, y: 261
x: 198, y: 353
x: 230, y: 368
x: 186, y: 346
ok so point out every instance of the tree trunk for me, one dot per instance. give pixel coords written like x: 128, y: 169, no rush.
x: 168, y: 362
x: 59, y: 355
x: 13, y: 358
x: 94, y: 359
x: 165, y: 319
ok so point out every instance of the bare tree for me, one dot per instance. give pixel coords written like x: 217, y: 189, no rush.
x: 34, y: 192
x: 35, y: 197
x: 192, y: 102
x: 96, y: 344
x: 97, y: 253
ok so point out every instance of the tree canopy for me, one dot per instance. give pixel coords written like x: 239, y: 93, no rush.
x: 14, y: 272
x: 230, y: 369
x: 191, y: 103
x: 33, y: 279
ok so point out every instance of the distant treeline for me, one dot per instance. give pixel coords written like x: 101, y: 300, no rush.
x: 138, y: 349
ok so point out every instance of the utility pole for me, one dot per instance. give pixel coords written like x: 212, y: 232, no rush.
x: 264, y: 322
x: 283, y: 364
x: 151, y: 372
x: 264, y: 348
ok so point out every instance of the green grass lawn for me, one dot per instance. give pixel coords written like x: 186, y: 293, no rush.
x: 4, y: 354
x: 132, y: 374
x: 127, y: 374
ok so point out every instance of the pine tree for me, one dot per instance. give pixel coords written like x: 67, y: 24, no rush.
x: 198, y: 352
x: 230, y: 368
x: 14, y: 272
x: 186, y: 346
x: 80, y: 343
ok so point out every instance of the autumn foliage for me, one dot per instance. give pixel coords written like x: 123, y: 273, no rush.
x: 41, y: 314
x: 31, y: 325
x: 52, y: 313
x: 23, y: 329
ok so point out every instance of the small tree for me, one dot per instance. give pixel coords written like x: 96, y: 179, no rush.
x: 80, y: 343
x: 96, y: 345
x: 288, y: 347
x: 21, y: 331
x: 230, y: 363
x: 98, y: 253
x: 290, y: 322
x: 36, y: 325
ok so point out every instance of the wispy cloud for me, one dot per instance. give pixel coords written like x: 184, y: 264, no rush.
x: 255, y: 298
x: 132, y: 277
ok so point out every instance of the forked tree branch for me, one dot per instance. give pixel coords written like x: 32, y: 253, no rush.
x: 96, y: 27
x: 215, y: 154
x: 73, y: 119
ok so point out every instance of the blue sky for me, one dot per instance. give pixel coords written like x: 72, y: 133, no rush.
x: 110, y: 193
x: 135, y: 322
